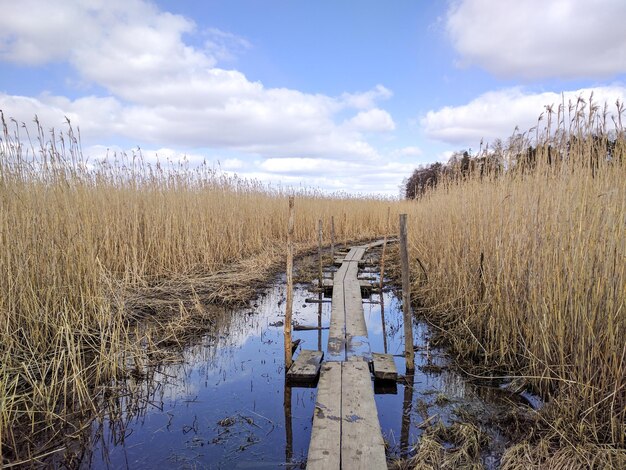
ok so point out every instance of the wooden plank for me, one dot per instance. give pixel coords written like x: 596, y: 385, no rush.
x: 325, y: 445
x: 380, y: 243
x: 356, y: 254
x: 384, y: 367
x: 336, y: 350
x: 346, y: 431
x: 363, y: 284
x: 357, y: 341
x: 348, y: 331
x: 339, y: 262
x: 362, y: 445
x: 306, y: 365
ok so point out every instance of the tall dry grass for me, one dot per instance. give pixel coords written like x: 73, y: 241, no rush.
x: 527, y: 269
x: 82, y: 244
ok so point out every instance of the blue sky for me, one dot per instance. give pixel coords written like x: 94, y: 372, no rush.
x: 339, y: 95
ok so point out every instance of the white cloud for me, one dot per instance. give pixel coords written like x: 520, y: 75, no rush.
x: 233, y: 164
x: 162, y: 91
x: 539, y: 38
x: 366, y: 99
x: 373, y: 120
x: 224, y: 45
x: 410, y: 151
x: 496, y: 114
x: 345, y: 176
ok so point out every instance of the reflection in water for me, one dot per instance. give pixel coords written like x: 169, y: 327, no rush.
x: 382, y: 322
x: 320, y: 298
x: 219, y: 404
x: 407, y: 405
x: 288, y: 424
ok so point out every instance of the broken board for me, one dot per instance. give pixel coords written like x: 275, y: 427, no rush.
x: 306, y: 366
x: 384, y: 367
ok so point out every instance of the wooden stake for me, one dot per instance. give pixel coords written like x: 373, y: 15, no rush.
x: 319, y: 253
x: 289, y: 306
x: 382, y: 256
x: 406, y: 297
x: 332, y: 237
x: 345, y: 230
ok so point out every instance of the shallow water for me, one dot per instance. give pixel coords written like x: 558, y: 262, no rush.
x: 226, y: 404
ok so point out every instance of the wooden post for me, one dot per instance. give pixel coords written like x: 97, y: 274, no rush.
x: 409, y: 354
x: 382, y: 256
x: 382, y: 277
x: 289, y: 306
x: 319, y: 253
x: 332, y: 237
x: 345, y: 231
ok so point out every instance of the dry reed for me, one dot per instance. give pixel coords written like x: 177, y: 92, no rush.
x: 86, y: 249
x: 527, y: 270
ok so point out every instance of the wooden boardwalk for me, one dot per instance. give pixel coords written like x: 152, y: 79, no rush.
x: 346, y: 432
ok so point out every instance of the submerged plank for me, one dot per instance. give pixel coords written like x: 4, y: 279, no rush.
x: 362, y: 445
x: 325, y: 445
x: 306, y: 366
x: 384, y: 367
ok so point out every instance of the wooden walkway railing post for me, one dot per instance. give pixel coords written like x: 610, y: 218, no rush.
x: 332, y: 238
x: 382, y: 256
x: 409, y: 353
x: 319, y: 254
x: 289, y: 303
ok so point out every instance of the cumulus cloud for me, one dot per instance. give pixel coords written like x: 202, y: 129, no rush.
x: 160, y: 90
x: 410, y: 151
x: 535, y: 39
x: 366, y: 99
x: 346, y: 176
x: 496, y: 114
x: 224, y: 45
x: 373, y: 120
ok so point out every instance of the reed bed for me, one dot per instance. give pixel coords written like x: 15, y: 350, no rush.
x: 89, y: 248
x: 522, y: 268
x: 526, y: 273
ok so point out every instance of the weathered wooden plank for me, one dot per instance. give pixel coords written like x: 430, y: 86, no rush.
x: 330, y: 284
x: 360, y: 262
x: 336, y: 350
x: 384, y: 367
x: 346, y: 432
x: 362, y: 445
x: 357, y: 341
x: 356, y: 253
x: 306, y: 365
x: 380, y: 243
x: 325, y: 445
x: 348, y: 329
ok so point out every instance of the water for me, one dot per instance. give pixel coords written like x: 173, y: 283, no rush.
x: 225, y: 403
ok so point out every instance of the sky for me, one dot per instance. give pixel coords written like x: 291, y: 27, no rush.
x: 339, y: 95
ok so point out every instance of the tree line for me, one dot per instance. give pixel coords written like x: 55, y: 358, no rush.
x: 517, y: 155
